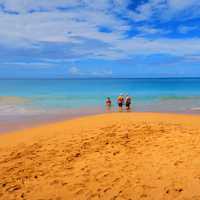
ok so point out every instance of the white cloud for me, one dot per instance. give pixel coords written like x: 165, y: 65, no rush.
x: 161, y: 45
x: 24, y: 6
x: 74, y: 71
x: 78, y: 28
x: 164, y: 10
x: 59, y: 26
x: 104, y: 73
x: 28, y: 64
x: 186, y: 29
x: 193, y: 58
x: 178, y: 5
x: 150, y: 30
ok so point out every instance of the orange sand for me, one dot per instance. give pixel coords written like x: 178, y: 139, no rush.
x: 111, y: 156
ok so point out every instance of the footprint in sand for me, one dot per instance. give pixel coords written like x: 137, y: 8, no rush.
x: 173, y: 192
x: 107, y: 189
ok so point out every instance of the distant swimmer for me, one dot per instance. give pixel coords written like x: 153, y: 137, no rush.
x: 120, y: 101
x: 128, y: 102
x: 108, y: 103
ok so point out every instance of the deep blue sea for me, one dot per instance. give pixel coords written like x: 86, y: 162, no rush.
x: 30, y: 98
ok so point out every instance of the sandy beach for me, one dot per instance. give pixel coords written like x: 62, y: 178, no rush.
x: 127, y: 156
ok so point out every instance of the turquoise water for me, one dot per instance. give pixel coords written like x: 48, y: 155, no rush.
x: 36, y: 97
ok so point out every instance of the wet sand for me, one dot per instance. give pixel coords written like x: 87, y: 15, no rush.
x: 11, y: 123
x: 134, y: 156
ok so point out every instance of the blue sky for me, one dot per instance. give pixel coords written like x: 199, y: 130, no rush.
x: 99, y: 38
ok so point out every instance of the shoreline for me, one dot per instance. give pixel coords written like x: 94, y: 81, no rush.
x: 39, y: 121
x: 123, y: 155
x: 157, y: 117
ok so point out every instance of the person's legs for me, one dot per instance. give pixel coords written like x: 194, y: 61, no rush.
x: 108, y: 107
x: 120, y: 107
x: 128, y: 107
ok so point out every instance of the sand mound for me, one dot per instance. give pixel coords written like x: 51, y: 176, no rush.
x: 111, y: 156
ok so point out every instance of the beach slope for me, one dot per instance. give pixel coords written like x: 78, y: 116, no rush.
x: 118, y: 156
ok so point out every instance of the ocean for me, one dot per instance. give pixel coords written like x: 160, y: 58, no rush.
x: 31, y: 101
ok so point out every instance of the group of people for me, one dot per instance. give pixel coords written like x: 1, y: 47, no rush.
x: 121, y: 101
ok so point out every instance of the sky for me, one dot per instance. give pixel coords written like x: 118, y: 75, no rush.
x: 99, y: 38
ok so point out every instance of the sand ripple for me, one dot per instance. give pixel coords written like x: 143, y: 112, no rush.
x: 103, y: 157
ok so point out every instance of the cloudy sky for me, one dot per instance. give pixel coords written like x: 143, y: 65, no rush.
x: 99, y: 38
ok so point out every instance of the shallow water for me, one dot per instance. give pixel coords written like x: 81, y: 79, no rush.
x: 42, y: 100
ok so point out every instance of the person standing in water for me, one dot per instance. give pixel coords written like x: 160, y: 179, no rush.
x: 120, y: 101
x: 128, y: 102
x: 108, y: 104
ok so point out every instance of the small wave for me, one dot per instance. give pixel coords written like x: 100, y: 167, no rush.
x: 13, y: 110
x: 195, y: 109
x: 179, y: 97
x: 13, y: 100
x: 65, y: 97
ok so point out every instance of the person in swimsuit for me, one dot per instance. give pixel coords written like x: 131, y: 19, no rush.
x: 108, y: 103
x: 128, y: 102
x: 120, y: 101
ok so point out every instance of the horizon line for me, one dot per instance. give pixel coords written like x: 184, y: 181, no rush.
x: 92, y: 78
